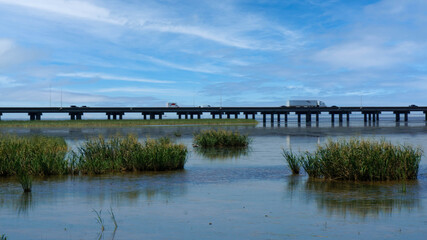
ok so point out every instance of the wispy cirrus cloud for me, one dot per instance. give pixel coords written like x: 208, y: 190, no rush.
x: 71, y: 8
x: 102, y: 76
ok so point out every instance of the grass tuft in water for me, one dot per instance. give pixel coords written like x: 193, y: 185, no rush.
x: 117, y: 154
x: 3, y: 237
x: 221, y: 138
x: 294, y: 161
x: 26, y: 181
x: 99, y: 219
x: 113, y: 217
x: 361, y: 160
x: 34, y: 155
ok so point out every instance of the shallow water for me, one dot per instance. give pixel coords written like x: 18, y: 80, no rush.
x: 223, y: 195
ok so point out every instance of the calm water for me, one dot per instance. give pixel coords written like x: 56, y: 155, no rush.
x: 222, y: 195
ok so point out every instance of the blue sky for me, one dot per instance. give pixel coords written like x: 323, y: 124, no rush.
x: 229, y: 52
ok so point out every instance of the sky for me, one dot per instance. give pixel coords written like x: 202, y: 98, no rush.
x: 222, y: 53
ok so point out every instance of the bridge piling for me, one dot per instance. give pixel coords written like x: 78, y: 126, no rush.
x: 308, y: 117
x: 35, y: 116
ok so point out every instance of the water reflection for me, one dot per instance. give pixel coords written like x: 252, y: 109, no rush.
x: 119, y: 190
x: 24, y: 203
x: 358, y: 199
x: 222, y: 153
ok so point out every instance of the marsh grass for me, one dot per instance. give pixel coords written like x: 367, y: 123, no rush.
x: 26, y: 181
x: 118, y: 154
x: 99, y: 219
x: 3, y: 237
x: 113, y: 217
x: 221, y: 138
x: 361, y: 160
x: 34, y: 155
x: 294, y: 161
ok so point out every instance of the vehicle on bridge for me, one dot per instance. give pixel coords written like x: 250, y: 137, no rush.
x: 172, y: 105
x: 305, y: 103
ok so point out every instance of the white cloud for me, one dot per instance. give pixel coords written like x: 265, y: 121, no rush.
x: 110, y: 77
x: 157, y: 91
x: 71, y: 8
x: 13, y: 55
x: 354, y: 55
x: 7, y: 82
x: 207, y: 68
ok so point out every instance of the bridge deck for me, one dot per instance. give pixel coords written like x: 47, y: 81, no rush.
x: 75, y: 113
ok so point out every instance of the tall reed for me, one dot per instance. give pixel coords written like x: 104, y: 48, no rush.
x: 100, y: 155
x: 34, y: 155
x: 294, y: 161
x: 361, y: 160
x: 221, y: 138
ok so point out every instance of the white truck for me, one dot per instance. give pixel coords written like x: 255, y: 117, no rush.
x: 305, y: 103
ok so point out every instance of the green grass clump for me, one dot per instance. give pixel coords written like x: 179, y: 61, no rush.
x: 221, y: 138
x: 294, y: 161
x: 3, y: 237
x: 119, y: 154
x: 34, y: 155
x: 361, y: 160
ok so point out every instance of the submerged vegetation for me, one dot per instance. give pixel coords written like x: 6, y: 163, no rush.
x: 118, y: 154
x: 221, y: 138
x: 359, y: 160
x: 123, y: 123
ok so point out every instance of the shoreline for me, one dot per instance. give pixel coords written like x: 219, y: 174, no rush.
x: 123, y: 123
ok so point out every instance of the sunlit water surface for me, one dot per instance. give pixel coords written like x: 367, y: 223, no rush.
x: 222, y: 195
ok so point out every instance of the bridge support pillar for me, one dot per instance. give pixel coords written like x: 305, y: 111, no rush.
x: 317, y: 117
x: 272, y: 118
x: 348, y: 117
x: 299, y: 118
x: 2, y: 114
x: 308, y: 117
x: 278, y: 118
x: 397, y: 113
x: 264, y: 119
x: 179, y: 116
x: 35, y: 116
x: 199, y: 116
x: 228, y: 116
x: 246, y: 116
x: 191, y: 116
x: 236, y: 115
x: 76, y: 116
x: 332, y: 117
x: 340, y: 117
x: 286, y: 117
x: 425, y: 113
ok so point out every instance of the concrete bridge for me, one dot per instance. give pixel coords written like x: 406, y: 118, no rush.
x: 371, y: 114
